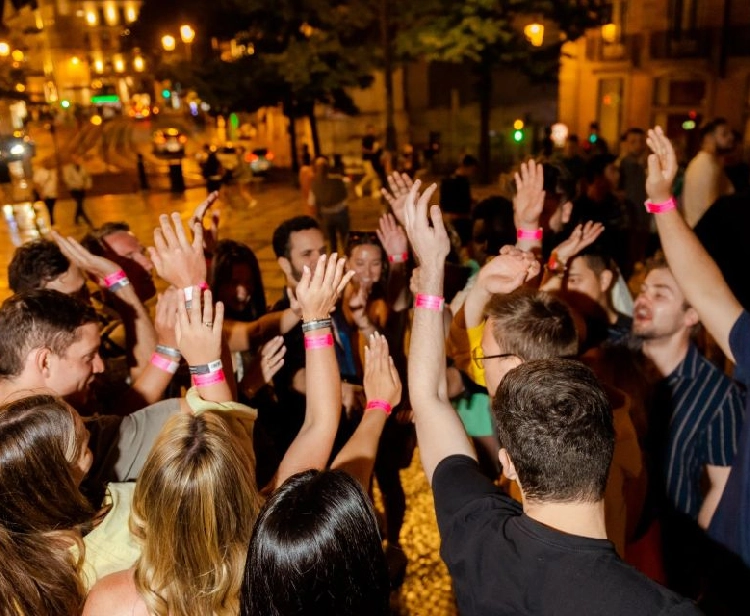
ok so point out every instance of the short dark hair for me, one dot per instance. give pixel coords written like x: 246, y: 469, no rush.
x: 597, y: 164
x: 35, y: 264
x: 316, y: 549
x: 469, y: 160
x: 532, y: 325
x: 555, y: 420
x: 36, y: 319
x: 598, y: 259
x: 282, y: 234
x: 634, y: 130
x: 227, y: 254
x: 709, y: 127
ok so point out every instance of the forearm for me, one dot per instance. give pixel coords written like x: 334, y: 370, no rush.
x: 140, y: 334
x: 475, y: 304
x: 240, y: 334
x: 312, y: 446
x: 439, y: 430
x: 397, y: 291
x: 148, y: 388
x: 699, y: 278
x: 357, y: 457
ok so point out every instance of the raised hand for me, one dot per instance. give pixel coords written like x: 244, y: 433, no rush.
x: 211, y: 234
x: 97, y: 267
x: 400, y: 185
x: 662, y: 166
x: 179, y: 262
x: 583, y: 236
x: 165, y: 316
x: 529, y: 200
x: 381, y: 379
x: 430, y: 243
x: 508, y: 271
x: 199, y: 328
x: 317, y: 292
x: 272, y: 358
x: 392, y: 236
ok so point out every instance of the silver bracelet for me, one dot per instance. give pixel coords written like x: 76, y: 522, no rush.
x: 169, y: 351
x: 311, y: 326
x: 116, y: 286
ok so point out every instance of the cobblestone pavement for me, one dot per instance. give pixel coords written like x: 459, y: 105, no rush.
x: 426, y: 590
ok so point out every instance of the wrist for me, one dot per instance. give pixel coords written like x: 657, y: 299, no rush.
x: 659, y: 205
x: 526, y: 233
x: 398, y: 257
x: 379, y: 404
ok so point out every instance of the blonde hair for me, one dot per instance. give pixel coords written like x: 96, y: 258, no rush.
x: 194, y: 507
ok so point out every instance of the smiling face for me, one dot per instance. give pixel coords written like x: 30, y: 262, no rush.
x: 660, y: 310
x: 305, y: 248
x: 366, y: 260
x: 74, y: 370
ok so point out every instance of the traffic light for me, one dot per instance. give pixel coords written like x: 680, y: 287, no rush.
x: 166, y: 93
x: 518, y: 135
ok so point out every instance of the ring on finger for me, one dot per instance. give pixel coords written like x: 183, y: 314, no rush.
x: 208, y: 324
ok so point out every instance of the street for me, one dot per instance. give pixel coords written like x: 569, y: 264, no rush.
x: 427, y: 588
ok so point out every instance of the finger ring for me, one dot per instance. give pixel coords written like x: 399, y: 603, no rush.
x: 208, y: 324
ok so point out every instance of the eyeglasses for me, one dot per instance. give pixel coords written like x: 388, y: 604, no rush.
x: 477, y: 355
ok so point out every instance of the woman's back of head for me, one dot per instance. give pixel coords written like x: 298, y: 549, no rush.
x: 316, y: 550
x: 194, y: 507
x: 42, y: 511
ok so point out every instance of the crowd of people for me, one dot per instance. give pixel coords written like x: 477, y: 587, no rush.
x: 214, y: 455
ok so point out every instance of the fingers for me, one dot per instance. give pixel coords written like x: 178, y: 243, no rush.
x: 344, y: 281
x: 218, y: 313
x: 167, y: 232
x: 320, y: 270
x: 180, y: 231
x: 197, y: 236
x: 208, y: 308
x: 424, y: 202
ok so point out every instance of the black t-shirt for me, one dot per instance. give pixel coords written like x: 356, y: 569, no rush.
x: 504, y: 562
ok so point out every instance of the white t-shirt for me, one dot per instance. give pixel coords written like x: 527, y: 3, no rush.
x: 705, y: 181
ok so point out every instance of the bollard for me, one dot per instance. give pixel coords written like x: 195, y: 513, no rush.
x: 176, y: 180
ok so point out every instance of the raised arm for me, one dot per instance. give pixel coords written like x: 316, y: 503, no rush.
x: 582, y: 236
x: 139, y: 330
x: 439, y: 429
x: 528, y: 204
x: 383, y: 392
x: 317, y: 293
x: 393, y: 238
x: 694, y: 270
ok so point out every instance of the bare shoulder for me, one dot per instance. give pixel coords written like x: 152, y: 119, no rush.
x: 115, y: 595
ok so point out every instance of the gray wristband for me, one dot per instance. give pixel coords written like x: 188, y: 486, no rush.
x: 311, y: 326
x: 163, y: 349
x: 212, y: 366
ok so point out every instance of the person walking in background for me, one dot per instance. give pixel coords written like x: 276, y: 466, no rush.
x: 328, y: 198
x: 78, y: 181
x: 371, y: 154
x: 45, y: 181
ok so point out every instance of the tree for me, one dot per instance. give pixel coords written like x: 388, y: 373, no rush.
x: 291, y: 52
x: 489, y: 33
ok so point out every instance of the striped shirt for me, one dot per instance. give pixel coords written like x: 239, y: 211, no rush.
x: 707, y: 409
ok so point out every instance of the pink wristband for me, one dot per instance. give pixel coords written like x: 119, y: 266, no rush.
x: 379, y: 404
x: 212, y: 378
x: 660, y: 208
x: 429, y: 302
x: 321, y: 341
x: 114, y: 278
x: 525, y: 234
x: 164, y: 364
x: 398, y: 258
x: 188, y: 291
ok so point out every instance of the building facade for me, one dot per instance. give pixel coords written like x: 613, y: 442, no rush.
x: 74, y: 50
x: 675, y: 63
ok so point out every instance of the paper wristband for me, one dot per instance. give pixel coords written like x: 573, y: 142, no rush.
x: 398, y: 258
x: 379, y: 404
x: 164, y: 364
x: 429, y: 302
x: 321, y: 341
x: 169, y: 351
x: 212, y: 366
x: 116, y: 286
x: 525, y: 234
x: 188, y: 291
x: 660, y: 208
x: 212, y: 378
x: 114, y: 278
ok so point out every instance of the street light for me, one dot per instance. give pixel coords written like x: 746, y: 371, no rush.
x: 4, y: 49
x: 187, y: 34
x: 139, y: 64
x: 168, y: 42
x: 535, y: 34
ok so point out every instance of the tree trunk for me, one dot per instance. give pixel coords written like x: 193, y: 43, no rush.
x: 290, y: 111
x: 385, y: 40
x: 314, y: 131
x: 485, y: 112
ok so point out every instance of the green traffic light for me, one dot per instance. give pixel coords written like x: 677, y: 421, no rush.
x: 166, y: 93
x: 518, y: 136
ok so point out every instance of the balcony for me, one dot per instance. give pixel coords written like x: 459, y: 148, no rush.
x: 701, y: 43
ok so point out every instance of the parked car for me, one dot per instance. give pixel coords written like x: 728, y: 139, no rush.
x: 16, y: 147
x: 260, y: 160
x: 169, y: 142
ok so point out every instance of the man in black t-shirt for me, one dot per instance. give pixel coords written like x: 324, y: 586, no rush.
x: 555, y: 426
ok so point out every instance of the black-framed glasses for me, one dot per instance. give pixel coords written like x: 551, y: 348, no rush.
x: 478, y: 356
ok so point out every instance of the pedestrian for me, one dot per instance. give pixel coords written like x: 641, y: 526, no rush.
x: 45, y: 180
x: 212, y: 170
x: 371, y: 154
x: 328, y: 197
x: 78, y: 181
x: 142, y: 177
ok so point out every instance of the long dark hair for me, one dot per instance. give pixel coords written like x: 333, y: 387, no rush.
x: 316, y: 550
x: 228, y: 253
x: 41, y: 508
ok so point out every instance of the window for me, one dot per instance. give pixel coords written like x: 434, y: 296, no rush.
x: 684, y: 17
x: 610, y: 108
